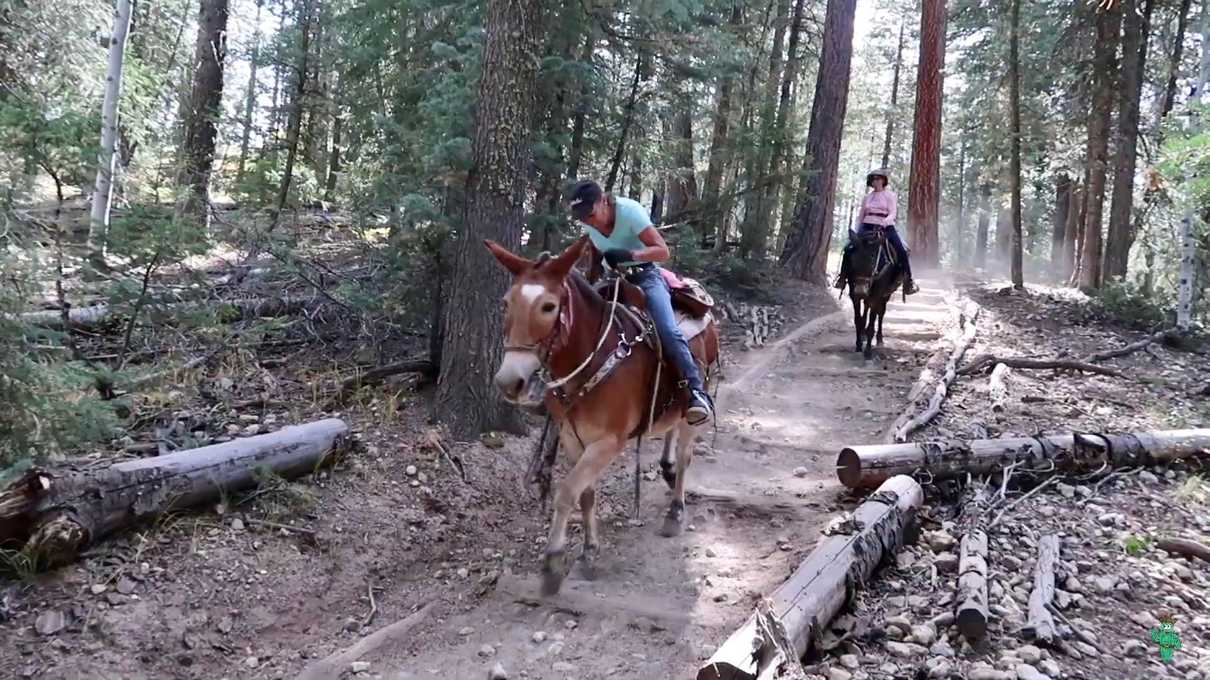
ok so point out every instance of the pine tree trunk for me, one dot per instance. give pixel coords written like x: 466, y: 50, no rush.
x: 466, y: 398
x: 681, y: 184
x: 985, y: 198
x: 1134, y: 59
x: 1014, y: 84
x: 1058, y: 239
x: 805, y: 254
x: 98, y: 225
x: 575, y: 152
x: 249, y: 98
x: 1108, y: 23
x: 924, y: 191
x: 719, y: 149
x: 334, y: 158
x: 960, y: 225
x: 1174, y: 64
x: 296, y: 109
x: 627, y: 121
x: 205, y: 107
x: 1184, y: 303
x: 893, y: 111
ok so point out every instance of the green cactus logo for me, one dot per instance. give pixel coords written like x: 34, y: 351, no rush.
x: 1167, y: 638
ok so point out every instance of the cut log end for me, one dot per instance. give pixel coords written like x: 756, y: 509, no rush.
x: 56, y: 542
x: 972, y: 623
x: 848, y: 468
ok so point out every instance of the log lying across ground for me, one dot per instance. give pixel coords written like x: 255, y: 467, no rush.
x: 908, y: 423
x: 52, y: 517
x: 971, y: 614
x: 982, y: 361
x: 869, y: 466
x: 790, y: 620
x: 96, y: 315
x: 1040, y: 626
x: 997, y: 387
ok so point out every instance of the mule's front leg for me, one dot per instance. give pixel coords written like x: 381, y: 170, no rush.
x: 674, y: 521
x: 583, y: 476
x: 592, y: 546
x: 881, y: 316
x: 858, y: 321
x: 872, y: 313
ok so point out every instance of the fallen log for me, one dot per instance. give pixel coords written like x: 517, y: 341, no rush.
x: 982, y: 361
x: 96, y: 315
x: 1040, y: 626
x: 997, y: 387
x: 1184, y: 547
x: 335, y: 665
x: 1161, y: 336
x: 794, y: 615
x: 971, y: 613
x: 869, y: 466
x: 52, y: 517
x: 378, y: 374
x: 913, y: 423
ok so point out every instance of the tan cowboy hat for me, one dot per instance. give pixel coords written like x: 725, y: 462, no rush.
x: 877, y: 172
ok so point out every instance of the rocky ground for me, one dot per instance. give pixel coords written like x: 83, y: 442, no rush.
x: 1113, y: 583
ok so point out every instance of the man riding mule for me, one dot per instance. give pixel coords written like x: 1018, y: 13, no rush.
x: 597, y: 366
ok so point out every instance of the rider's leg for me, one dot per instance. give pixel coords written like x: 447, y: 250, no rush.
x: 676, y: 347
x: 909, y: 286
x: 843, y: 276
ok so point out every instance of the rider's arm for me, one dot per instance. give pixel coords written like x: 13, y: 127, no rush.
x: 657, y: 248
x: 861, y: 213
x: 892, y: 213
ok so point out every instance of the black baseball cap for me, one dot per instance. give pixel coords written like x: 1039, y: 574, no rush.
x: 582, y: 196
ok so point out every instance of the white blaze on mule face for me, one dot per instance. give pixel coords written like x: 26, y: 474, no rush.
x: 532, y: 291
x: 514, y: 375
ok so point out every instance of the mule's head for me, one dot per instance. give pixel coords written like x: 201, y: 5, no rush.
x: 533, y: 306
x: 864, y: 259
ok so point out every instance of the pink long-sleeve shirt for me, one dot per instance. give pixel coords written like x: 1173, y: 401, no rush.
x: 878, y: 207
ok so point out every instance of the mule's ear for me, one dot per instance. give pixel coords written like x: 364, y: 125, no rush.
x: 562, y: 264
x: 513, y: 263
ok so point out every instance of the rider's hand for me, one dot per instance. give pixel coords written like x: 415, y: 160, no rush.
x: 616, y: 256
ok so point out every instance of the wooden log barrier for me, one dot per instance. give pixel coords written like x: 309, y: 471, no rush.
x: 793, y: 616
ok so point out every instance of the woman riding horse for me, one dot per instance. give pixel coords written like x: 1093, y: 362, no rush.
x: 622, y: 232
x: 878, y: 211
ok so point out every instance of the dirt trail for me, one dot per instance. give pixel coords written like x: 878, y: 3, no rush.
x: 760, y: 492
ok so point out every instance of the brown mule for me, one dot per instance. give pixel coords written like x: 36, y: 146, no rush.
x: 593, y: 366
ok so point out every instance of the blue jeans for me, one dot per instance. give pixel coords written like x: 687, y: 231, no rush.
x: 892, y: 237
x: 659, y: 305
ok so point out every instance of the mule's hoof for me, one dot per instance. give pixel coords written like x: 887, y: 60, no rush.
x: 553, y: 573
x: 672, y: 527
x: 868, y: 353
x: 588, y: 562
x: 880, y: 342
x: 857, y: 348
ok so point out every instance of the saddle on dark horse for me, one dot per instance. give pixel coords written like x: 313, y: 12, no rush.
x: 884, y: 260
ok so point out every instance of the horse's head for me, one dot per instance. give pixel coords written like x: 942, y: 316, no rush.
x: 864, y: 259
x: 533, y: 306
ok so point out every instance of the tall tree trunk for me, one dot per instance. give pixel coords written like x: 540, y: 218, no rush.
x: 924, y: 191
x: 1134, y: 59
x: 1174, y: 65
x: 1058, y: 238
x: 1014, y: 86
x: 1108, y: 26
x: 960, y: 225
x: 893, y: 110
x: 627, y: 121
x: 205, y: 107
x: 249, y: 98
x: 805, y: 254
x: 1072, y: 231
x: 334, y: 158
x: 276, y: 102
x: 466, y: 397
x: 985, y: 198
x: 98, y: 223
x: 681, y: 183
x: 1185, y: 291
x: 575, y: 152
x: 296, y: 108
x: 719, y: 149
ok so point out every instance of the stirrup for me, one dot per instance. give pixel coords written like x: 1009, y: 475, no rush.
x: 700, y: 409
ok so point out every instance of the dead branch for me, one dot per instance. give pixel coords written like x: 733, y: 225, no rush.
x: 334, y: 665
x: 913, y: 423
x: 1040, y: 626
x: 982, y: 361
x: 1184, y: 547
x: 997, y: 387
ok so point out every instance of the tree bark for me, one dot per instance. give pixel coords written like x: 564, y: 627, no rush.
x: 249, y: 98
x: 575, y: 152
x: 1108, y: 22
x: 960, y: 224
x: 627, y: 121
x: 893, y: 111
x: 805, y: 255
x: 297, y: 106
x: 1040, y: 626
x: 1058, y: 237
x: 997, y: 387
x: 1134, y: 60
x: 719, y: 150
x: 985, y: 207
x: 202, y: 114
x: 335, y: 159
x: 466, y: 397
x: 864, y: 467
x: 971, y: 613
x: 1184, y: 302
x: 1174, y: 66
x: 56, y: 516
x: 98, y: 224
x: 924, y: 191
x: 1014, y: 85
x: 680, y: 197
x: 800, y: 609
x: 1071, y: 241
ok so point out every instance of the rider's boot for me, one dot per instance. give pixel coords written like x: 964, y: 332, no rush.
x: 909, y: 286
x: 842, y: 277
x: 701, y: 406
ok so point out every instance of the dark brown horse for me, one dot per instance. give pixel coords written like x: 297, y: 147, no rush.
x: 873, y: 277
x: 591, y: 363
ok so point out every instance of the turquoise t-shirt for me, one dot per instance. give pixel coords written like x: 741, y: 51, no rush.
x: 630, y: 218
